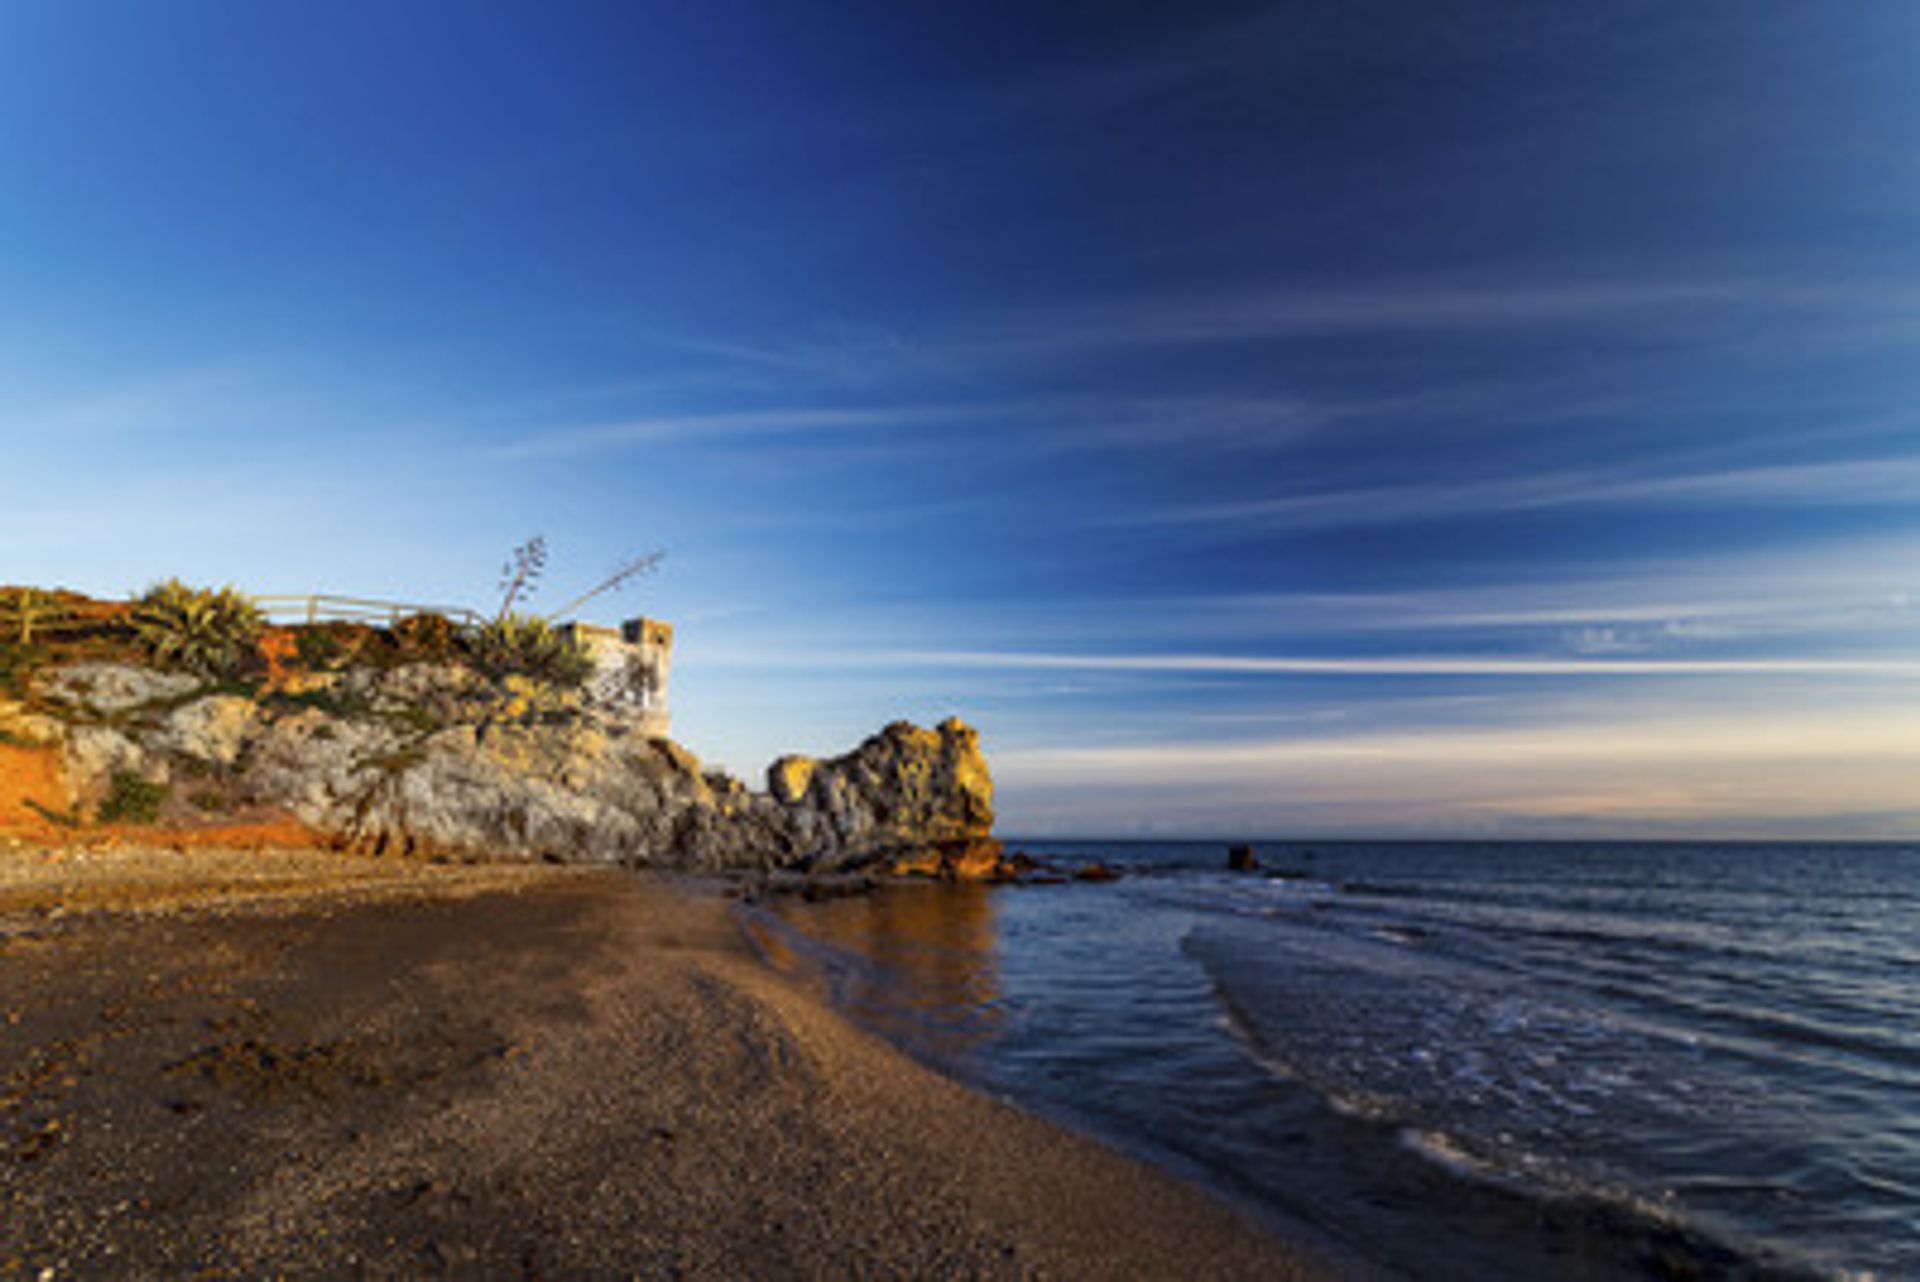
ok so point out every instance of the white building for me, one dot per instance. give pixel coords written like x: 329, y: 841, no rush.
x: 631, y: 665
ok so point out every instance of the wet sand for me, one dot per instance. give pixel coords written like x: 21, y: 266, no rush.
x: 365, y: 1066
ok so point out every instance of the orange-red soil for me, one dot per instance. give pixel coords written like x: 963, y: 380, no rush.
x: 31, y: 775
x: 35, y: 775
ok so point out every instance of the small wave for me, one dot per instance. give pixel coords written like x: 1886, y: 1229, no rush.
x: 1520, y: 1171
x: 1347, y: 1103
x: 1658, y: 1225
x: 1404, y: 935
x: 1447, y: 1152
x: 1383, y: 889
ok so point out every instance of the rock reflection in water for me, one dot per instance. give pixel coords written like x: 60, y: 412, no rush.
x: 914, y: 962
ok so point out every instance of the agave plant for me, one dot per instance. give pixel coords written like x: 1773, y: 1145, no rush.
x: 518, y: 644
x: 205, y: 630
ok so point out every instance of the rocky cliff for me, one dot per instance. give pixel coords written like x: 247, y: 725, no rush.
x: 434, y: 758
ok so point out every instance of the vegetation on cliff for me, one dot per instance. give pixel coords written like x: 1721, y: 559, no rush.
x: 211, y: 631
x: 220, y: 633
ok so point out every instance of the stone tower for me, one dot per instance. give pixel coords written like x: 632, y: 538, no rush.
x: 630, y: 669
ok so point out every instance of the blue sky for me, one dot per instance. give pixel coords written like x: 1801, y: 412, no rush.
x: 1438, y: 419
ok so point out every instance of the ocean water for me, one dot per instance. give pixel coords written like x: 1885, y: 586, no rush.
x: 1454, y: 1060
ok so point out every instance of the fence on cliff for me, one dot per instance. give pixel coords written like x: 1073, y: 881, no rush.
x: 24, y: 617
x: 324, y: 608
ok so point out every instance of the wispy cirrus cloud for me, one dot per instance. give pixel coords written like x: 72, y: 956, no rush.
x: 1406, y: 665
x: 728, y: 424
x: 1739, y: 310
x: 1243, y: 665
x: 1854, y: 734
x: 845, y: 360
x: 1286, y: 310
x: 1030, y: 425
x: 1851, y: 598
x: 1849, y: 585
x: 1885, y: 481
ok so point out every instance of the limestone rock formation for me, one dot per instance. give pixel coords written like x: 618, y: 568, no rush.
x: 789, y: 777
x: 902, y: 788
x: 435, y: 758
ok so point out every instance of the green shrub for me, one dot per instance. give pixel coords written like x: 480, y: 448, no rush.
x: 132, y: 800
x: 212, y: 803
x: 424, y: 636
x: 336, y: 644
x: 17, y: 663
x: 520, y: 645
x: 318, y: 646
x: 209, y: 631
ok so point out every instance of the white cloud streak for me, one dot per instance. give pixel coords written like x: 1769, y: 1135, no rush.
x: 1841, y: 586
x: 1030, y: 425
x: 1833, y: 738
x: 1177, y: 664
x: 1429, y: 308
x: 1411, y: 665
x: 1888, y: 481
x: 657, y: 429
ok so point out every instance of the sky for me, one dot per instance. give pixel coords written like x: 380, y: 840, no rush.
x: 1452, y: 419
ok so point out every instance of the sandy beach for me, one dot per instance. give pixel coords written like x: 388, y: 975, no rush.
x: 252, y: 1063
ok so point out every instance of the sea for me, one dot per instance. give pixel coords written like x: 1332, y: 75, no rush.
x: 1447, y: 1060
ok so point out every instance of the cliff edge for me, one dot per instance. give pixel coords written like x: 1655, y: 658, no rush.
x: 435, y: 758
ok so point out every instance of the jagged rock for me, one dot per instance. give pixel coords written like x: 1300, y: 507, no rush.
x: 903, y: 787
x: 1242, y: 859
x: 978, y: 860
x: 728, y: 793
x: 94, y: 754
x: 211, y: 730
x: 30, y: 729
x: 109, y: 689
x: 316, y: 766
x: 789, y: 777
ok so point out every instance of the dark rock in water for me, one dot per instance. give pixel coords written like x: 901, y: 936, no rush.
x: 836, y: 887
x: 977, y: 860
x: 812, y: 887
x: 1287, y: 874
x: 1095, y: 872
x: 1242, y: 859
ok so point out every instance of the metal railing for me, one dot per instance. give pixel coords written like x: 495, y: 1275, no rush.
x: 323, y: 608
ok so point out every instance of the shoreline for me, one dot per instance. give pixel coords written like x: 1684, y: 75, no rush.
x: 387, y: 1067
x: 1050, y: 997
